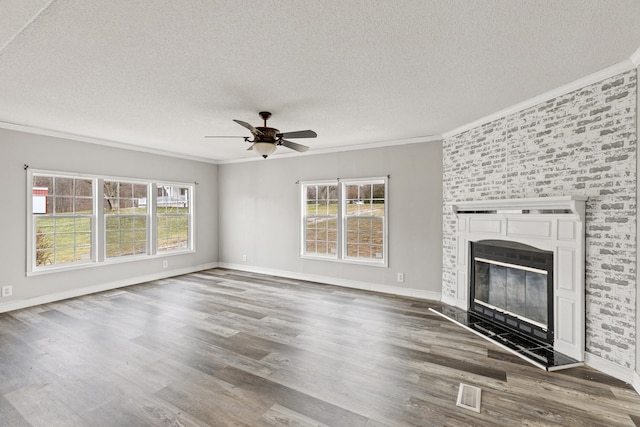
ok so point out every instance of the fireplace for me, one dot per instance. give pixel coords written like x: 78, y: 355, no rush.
x: 519, y: 276
x: 511, y: 284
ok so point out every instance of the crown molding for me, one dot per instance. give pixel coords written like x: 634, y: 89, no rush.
x: 635, y: 58
x: 596, y: 77
x: 99, y: 141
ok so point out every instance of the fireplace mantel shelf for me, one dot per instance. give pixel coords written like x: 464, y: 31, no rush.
x: 570, y: 204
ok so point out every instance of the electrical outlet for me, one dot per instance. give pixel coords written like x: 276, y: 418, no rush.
x: 165, y: 264
x: 7, y: 291
x: 401, y: 277
x: 244, y: 258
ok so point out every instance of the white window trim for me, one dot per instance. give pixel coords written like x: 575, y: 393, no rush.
x: 340, y: 255
x: 98, y: 230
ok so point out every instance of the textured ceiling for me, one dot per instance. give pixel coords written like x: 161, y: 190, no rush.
x: 162, y: 74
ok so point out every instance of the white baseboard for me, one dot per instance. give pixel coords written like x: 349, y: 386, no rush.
x: 72, y: 293
x: 620, y: 372
x: 345, y: 283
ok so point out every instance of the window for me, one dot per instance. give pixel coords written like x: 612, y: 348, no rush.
x: 78, y: 221
x: 173, y: 211
x: 364, y: 218
x: 62, y: 220
x: 345, y: 220
x: 321, y: 220
x: 126, y: 218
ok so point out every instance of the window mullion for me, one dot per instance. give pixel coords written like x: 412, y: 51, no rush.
x: 153, y: 219
x: 99, y: 237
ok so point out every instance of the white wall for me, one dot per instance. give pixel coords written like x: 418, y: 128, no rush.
x: 45, y: 152
x: 259, y: 216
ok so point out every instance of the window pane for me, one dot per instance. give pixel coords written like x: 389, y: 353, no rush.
x: 125, y: 190
x: 126, y: 224
x: 364, y: 237
x: 364, y: 192
x: 63, y: 186
x: 83, y: 187
x: 321, y: 206
x: 377, y: 251
x: 84, y: 206
x: 352, y: 250
x: 173, y: 218
x: 43, y: 181
x: 45, y: 225
x: 83, y: 239
x: 332, y: 248
x: 112, y: 223
x: 44, y: 257
x: 377, y: 224
x: 312, y: 193
x: 63, y: 205
x: 140, y: 191
x: 311, y: 235
x: 364, y: 227
x: 364, y: 224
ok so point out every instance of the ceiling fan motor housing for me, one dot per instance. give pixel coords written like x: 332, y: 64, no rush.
x: 268, y: 134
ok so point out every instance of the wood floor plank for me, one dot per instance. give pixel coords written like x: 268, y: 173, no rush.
x: 9, y: 415
x: 222, y: 347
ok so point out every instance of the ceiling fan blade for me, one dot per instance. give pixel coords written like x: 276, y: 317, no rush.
x: 294, y: 146
x: 298, y: 134
x: 253, y: 130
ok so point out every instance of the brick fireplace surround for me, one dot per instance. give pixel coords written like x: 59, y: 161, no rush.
x: 582, y: 143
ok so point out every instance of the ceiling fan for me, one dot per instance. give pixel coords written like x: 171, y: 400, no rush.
x: 267, y: 139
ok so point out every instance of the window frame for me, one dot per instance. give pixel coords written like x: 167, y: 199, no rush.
x: 345, y: 217
x: 105, y: 216
x: 32, y: 267
x: 304, y: 216
x: 98, y: 223
x: 342, y: 217
x: 191, y: 235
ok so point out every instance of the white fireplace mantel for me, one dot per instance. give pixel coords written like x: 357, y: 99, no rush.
x: 571, y: 204
x: 548, y: 223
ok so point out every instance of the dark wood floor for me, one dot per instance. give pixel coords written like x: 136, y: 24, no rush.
x: 223, y: 347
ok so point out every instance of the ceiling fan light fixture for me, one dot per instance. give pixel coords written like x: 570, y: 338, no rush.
x: 264, y: 148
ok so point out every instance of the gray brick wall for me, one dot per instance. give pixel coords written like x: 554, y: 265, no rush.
x: 582, y: 143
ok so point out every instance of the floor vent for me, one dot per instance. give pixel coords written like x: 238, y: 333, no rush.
x: 469, y: 397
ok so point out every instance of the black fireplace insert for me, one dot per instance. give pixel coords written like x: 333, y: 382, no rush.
x: 512, y: 285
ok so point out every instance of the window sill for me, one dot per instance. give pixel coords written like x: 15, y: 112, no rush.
x: 106, y: 262
x: 383, y: 263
